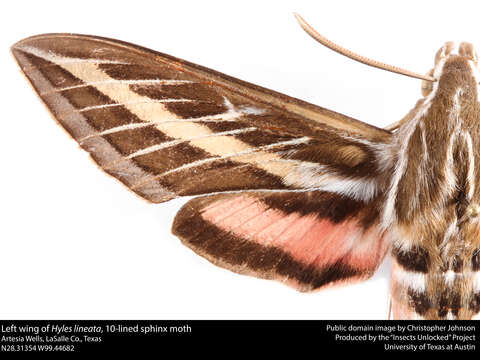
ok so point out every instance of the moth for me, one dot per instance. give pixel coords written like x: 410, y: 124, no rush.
x: 284, y: 189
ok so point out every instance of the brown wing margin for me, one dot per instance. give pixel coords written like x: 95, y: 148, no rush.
x: 152, y: 120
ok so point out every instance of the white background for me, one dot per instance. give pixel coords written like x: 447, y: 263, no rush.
x: 75, y: 244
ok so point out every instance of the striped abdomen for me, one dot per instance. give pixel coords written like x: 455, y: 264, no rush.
x: 424, y: 288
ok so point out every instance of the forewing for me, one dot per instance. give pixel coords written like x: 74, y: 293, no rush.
x: 165, y: 127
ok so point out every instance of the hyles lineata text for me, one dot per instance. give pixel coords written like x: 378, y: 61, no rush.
x: 284, y: 189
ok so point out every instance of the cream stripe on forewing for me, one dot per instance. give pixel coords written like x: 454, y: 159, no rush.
x: 175, y: 142
x: 230, y: 115
x: 243, y: 156
x: 298, y: 174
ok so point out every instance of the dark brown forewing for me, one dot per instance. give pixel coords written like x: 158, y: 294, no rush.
x: 307, y: 240
x: 165, y: 127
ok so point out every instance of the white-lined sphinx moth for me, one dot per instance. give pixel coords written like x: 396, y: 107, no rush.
x: 287, y: 190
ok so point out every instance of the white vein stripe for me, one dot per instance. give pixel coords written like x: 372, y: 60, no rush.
x: 251, y: 151
x: 176, y: 142
x: 60, y: 60
x: 357, y: 189
x: 117, y: 81
x: 229, y: 116
x: 262, y: 191
x: 95, y: 107
x: 91, y: 61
